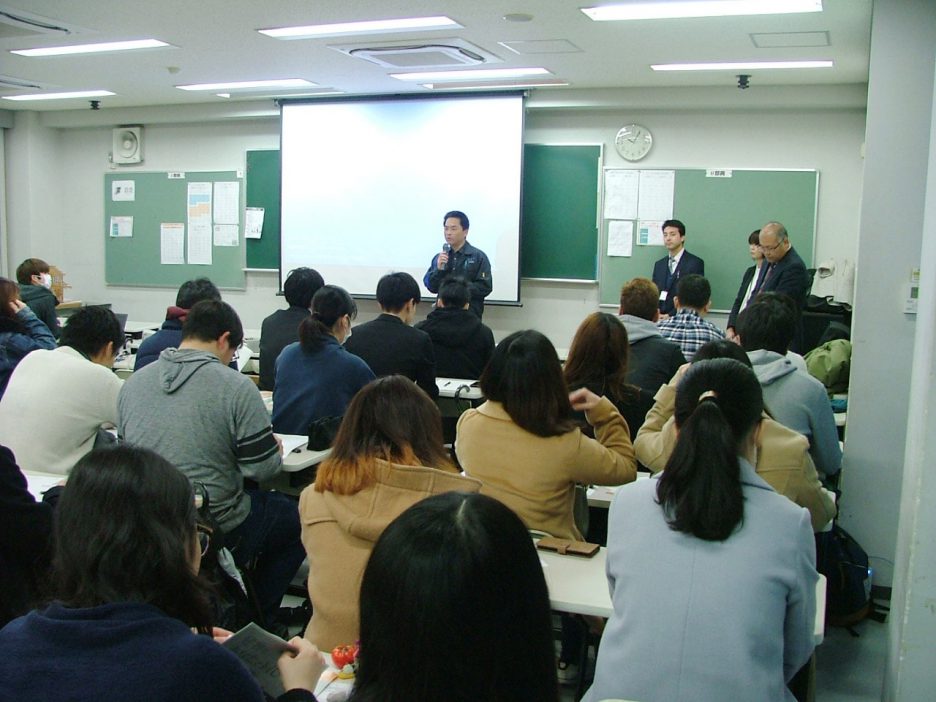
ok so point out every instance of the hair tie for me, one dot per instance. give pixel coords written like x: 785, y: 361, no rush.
x: 708, y: 395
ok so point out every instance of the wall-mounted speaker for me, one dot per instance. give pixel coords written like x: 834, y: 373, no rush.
x: 128, y: 145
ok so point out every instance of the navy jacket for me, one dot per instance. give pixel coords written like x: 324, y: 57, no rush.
x: 790, y: 277
x: 688, y: 264
x: 470, y: 263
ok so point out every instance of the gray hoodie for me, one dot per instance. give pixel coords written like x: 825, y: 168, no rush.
x: 206, y: 419
x: 797, y: 400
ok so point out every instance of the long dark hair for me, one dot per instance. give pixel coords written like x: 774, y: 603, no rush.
x: 452, y: 577
x: 329, y: 304
x: 124, y: 532
x: 524, y: 375
x: 391, y: 419
x: 598, y: 358
x: 718, y: 404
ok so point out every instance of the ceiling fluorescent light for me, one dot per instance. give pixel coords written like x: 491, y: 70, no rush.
x: 471, y: 74
x: 92, y: 48
x: 250, y: 84
x: 740, y: 65
x: 60, y: 96
x: 343, y: 29
x: 699, y: 8
x: 494, y: 85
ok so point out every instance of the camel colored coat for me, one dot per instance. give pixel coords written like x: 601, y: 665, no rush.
x: 782, y: 456
x: 339, y: 531
x: 534, y: 475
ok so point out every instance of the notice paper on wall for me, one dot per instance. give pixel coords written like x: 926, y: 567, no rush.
x: 620, y: 238
x: 225, y: 235
x: 253, y: 222
x: 199, y: 244
x: 227, y: 202
x: 620, y: 194
x: 650, y: 232
x: 171, y: 243
x: 121, y: 226
x: 123, y: 191
x: 656, y: 194
x: 199, y: 223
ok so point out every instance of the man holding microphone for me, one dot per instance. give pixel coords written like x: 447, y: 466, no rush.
x: 461, y: 259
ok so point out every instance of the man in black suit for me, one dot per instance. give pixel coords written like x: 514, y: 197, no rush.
x: 751, y: 282
x: 389, y: 344
x: 786, y: 273
x: 678, y: 262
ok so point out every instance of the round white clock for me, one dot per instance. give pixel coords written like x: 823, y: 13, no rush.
x: 633, y: 142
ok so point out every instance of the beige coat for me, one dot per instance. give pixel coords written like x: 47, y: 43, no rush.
x: 339, y: 531
x: 782, y: 456
x: 534, y: 475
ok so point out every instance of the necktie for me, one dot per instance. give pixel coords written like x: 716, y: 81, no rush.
x: 672, y: 265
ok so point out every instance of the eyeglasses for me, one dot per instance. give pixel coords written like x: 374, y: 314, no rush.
x: 204, y: 536
x: 771, y: 248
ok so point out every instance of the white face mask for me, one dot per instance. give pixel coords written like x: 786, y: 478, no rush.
x: 46, y: 280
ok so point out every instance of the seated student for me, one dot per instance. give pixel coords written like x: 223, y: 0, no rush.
x: 462, y: 344
x: 25, y: 536
x: 126, y: 592
x: 212, y: 424
x: 282, y: 327
x: 35, y: 283
x: 56, y: 402
x: 170, y: 333
x: 523, y: 444
x: 597, y: 360
x: 653, y: 359
x: 387, y: 456
x: 472, y: 583
x: 688, y: 328
x: 20, y: 331
x: 793, y: 397
x: 388, y: 344
x: 783, y: 458
x: 730, y: 563
x: 316, y: 377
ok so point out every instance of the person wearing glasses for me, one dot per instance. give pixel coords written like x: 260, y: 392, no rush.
x: 786, y: 272
x: 130, y: 617
x: 212, y: 424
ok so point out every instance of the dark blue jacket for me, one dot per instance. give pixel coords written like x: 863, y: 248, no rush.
x: 688, y: 264
x: 17, y: 338
x: 472, y: 265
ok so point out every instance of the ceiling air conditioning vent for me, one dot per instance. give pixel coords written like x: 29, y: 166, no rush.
x: 11, y: 83
x: 19, y: 24
x: 442, y: 53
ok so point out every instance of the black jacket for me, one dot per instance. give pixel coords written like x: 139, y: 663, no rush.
x: 653, y: 362
x: 389, y: 346
x: 462, y: 344
x: 25, y: 537
x: 277, y: 332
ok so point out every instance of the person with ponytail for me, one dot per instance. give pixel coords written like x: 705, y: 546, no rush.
x: 315, y: 376
x: 712, y: 573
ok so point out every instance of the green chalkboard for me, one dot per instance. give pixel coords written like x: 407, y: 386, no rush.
x: 719, y: 214
x: 157, y: 200
x: 263, y: 190
x: 560, y: 212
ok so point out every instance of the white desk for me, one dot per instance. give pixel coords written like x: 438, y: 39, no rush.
x: 303, y: 458
x: 580, y: 586
x: 38, y: 483
x: 601, y: 495
x: 466, y: 389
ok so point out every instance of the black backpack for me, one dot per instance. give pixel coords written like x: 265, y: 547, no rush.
x: 845, y: 565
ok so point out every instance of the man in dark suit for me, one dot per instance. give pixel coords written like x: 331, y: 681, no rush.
x: 751, y: 282
x: 786, y: 273
x: 389, y: 344
x: 678, y: 262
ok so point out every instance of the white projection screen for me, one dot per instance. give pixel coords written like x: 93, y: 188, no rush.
x: 366, y: 182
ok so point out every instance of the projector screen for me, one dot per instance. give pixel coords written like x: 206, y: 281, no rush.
x: 366, y: 183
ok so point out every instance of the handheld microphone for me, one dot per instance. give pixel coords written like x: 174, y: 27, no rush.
x: 447, y: 248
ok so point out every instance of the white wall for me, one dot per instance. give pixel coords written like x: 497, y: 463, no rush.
x: 824, y: 136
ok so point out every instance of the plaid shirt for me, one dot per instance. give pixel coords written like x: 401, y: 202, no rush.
x: 689, y: 330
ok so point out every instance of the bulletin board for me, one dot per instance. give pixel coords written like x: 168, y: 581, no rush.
x: 153, y: 200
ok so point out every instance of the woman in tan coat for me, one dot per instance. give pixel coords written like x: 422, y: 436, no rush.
x: 782, y: 454
x: 388, y: 455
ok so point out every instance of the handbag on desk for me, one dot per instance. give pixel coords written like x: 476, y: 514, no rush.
x: 322, y: 433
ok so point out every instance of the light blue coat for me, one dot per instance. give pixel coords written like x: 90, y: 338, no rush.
x: 698, y: 620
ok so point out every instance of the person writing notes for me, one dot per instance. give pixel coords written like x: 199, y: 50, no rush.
x: 460, y: 258
x: 677, y: 263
